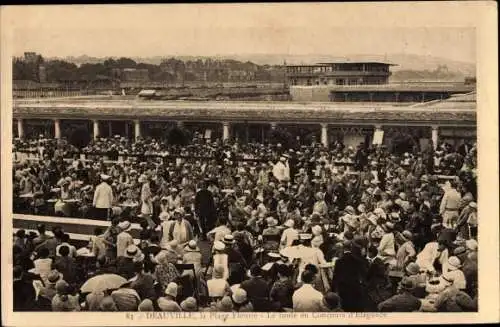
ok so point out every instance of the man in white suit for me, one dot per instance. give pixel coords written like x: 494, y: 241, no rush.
x: 103, y: 198
x: 281, y: 170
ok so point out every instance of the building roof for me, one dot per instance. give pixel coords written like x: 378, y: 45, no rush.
x: 399, y: 87
x: 467, y: 101
x: 237, y: 111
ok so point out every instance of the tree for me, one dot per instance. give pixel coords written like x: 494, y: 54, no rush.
x: 58, y: 70
x: 282, y: 136
x: 80, y: 138
x: 178, y: 136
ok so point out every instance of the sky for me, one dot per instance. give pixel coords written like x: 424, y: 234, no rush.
x: 218, y: 29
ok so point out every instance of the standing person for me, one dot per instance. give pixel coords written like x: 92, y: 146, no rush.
x: 103, y: 198
x: 450, y: 204
x: 124, y: 239
x: 349, y: 276
x: 146, y: 197
x: 281, y: 170
x: 306, y: 298
x: 257, y: 289
x: 205, y: 209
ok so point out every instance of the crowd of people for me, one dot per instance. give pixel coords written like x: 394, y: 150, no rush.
x: 306, y: 229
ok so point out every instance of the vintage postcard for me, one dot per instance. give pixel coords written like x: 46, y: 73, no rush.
x: 249, y: 164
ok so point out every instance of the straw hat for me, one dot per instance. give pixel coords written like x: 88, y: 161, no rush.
x: 171, y: 289
x: 54, y: 276
x: 105, y: 177
x: 189, y: 304
x: 228, y: 239
x: 271, y: 222
x: 316, y: 230
x: 219, y: 246
x: 125, y: 225
x: 413, y: 268
x: 454, y: 263
x: 225, y: 305
x: 192, y: 247
x: 239, y: 296
x: 289, y: 223
x: 146, y: 305
x: 407, y: 284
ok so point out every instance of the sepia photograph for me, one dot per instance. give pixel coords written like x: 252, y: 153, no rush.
x: 249, y: 161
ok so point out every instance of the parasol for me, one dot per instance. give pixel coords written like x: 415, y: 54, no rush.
x: 103, y: 282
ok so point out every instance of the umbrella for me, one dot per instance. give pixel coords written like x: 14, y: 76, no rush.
x: 103, y: 282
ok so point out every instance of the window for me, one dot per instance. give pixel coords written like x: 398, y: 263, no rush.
x: 339, y: 81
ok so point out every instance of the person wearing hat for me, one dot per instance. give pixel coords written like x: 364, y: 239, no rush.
x: 48, y: 291
x: 180, y: 229
x: 63, y: 300
x: 468, y: 213
x: 125, y: 264
x: 387, y: 246
x: 331, y: 303
x: 281, y: 292
x: 257, y: 289
x: 241, y: 302
x: 126, y: 298
x: 289, y: 235
x: 306, y: 298
x: 192, y: 255
x: 205, y: 209
x: 189, y: 305
x: 220, y: 257
x: 107, y: 304
x: 168, y: 302
x: 142, y: 283
x: 404, y: 301
x: 449, y: 207
x: 123, y: 239
x: 103, y: 198
x: 406, y: 251
x: 455, y: 274
x: 320, y: 205
x: 224, y: 305
x: 237, y: 264
x: 452, y: 299
x: 146, y: 305
x: 217, y: 286
x: 281, y: 170
x: 271, y: 234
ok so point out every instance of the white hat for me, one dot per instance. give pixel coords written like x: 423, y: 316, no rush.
x: 473, y: 204
x: 171, y: 289
x: 105, y: 177
x: 316, y: 230
x: 271, y: 221
x: 239, y: 296
x: 289, y: 223
x: 219, y: 246
x: 454, y: 263
x: 132, y: 251
x: 125, y: 225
